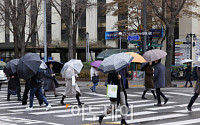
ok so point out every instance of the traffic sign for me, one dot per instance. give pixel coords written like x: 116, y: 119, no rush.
x: 134, y: 37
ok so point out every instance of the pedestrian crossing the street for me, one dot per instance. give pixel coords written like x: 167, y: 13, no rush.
x: 140, y: 111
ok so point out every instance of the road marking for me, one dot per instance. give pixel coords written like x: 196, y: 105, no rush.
x: 186, y: 111
x: 177, y: 93
x: 154, y: 118
x: 183, y: 122
x: 96, y: 94
x: 140, y: 93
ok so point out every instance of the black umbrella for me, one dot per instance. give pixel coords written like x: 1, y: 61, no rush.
x: 28, y: 65
x: 57, y: 66
x: 11, y: 67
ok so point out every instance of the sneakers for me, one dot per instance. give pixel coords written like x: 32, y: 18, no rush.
x: 29, y: 109
x: 48, y: 107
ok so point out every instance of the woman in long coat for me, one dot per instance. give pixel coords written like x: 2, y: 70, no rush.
x: 71, y: 90
x: 14, y: 87
x: 196, y: 91
x: 148, y: 80
x: 50, y: 82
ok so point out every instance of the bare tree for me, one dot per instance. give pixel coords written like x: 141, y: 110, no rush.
x: 74, y: 9
x: 16, y: 15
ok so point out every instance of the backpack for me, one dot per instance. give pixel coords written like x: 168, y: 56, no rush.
x: 39, y: 78
x: 194, y: 73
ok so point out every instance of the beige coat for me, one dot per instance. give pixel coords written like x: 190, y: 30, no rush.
x: 71, y: 90
x: 197, y: 86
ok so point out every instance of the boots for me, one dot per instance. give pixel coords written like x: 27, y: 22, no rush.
x: 8, y: 97
x: 123, y: 122
x: 62, y: 101
x: 19, y: 97
x: 144, y: 94
x: 101, y: 118
x: 153, y: 94
x: 78, y: 99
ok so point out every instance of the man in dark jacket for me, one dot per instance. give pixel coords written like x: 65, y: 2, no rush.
x: 159, y: 81
x: 188, y: 75
x: 36, y: 85
x: 116, y: 79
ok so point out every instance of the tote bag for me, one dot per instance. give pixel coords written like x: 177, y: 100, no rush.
x: 112, y: 91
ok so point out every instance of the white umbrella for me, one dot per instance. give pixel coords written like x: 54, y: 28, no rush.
x: 186, y: 61
x: 154, y: 54
x: 77, y: 65
x: 197, y: 63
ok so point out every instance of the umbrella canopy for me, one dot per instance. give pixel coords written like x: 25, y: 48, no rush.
x: 11, y: 67
x: 71, y: 65
x: 137, y: 57
x: 115, y: 63
x: 43, y: 65
x: 186, y: 61
x: 96, y: 63
x: 2, y: 63
x: 108, y: 52
x: 57, y: 66
x: 154, y: 54
x: 28, y: 65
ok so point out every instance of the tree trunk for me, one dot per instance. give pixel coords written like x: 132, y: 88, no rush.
x: 168, y: 62
x: 74, y: 41
x: 70, y: 42
x: 16, y: 47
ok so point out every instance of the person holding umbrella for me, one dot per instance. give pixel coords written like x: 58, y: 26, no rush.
x: 69, y: 72
x: 36, y: 86
x: 148, y: 80
x: 188, y: 74
x: 50, y: 82
x: 113, y: 65
x: 94, y: 73
x: 155, y: 56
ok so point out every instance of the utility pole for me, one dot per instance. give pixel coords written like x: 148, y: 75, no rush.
x: 145, y: 26
x: 45, y: 33
x: 87, y: 47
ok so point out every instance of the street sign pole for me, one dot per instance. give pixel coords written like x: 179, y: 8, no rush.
x: 145, y: 26
x: 45, y: 33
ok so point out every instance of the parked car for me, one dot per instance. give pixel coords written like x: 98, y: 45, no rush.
x: 3, y: 77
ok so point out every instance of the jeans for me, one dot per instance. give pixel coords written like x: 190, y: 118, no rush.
x: 159, y: 93
x: 194, y: 97
x: 42, y: 97
x: 94, y: 87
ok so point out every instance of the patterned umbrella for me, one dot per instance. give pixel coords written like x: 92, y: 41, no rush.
x: 154, y: 54
x: 115, y: 63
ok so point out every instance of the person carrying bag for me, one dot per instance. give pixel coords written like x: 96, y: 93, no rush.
x: 94, y: 77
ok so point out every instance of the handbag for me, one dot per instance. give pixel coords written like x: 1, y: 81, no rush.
x: 95, y: 79
x: 112, y: 91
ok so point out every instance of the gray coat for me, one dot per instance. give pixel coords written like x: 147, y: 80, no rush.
x: 159, y: 76
x: 49, y: 80
x: 197, y: 86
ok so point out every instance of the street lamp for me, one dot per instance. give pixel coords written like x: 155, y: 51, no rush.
x: 120, y: 44
x: 45, y: 33
x: 189, y: 38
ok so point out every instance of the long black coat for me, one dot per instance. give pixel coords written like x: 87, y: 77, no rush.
x: 49, y: 80
x: 113, y: 79
x: 14, y: 84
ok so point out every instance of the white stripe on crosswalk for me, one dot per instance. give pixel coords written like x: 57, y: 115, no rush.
x: 96, y: 94
x: 152, y: 94
x: 183, y: 122
x: 177, y: 93
x: 153, y: 118
x: 186, y: 111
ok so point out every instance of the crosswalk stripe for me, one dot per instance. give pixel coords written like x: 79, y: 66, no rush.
x: 96, y: 94
x: 153, y: 118
x: 140, y: 93
x: 183, y: 122
x: 177, y: 93
x: 168, y: 107
x: 150, y: 104
x: 186, y: 111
